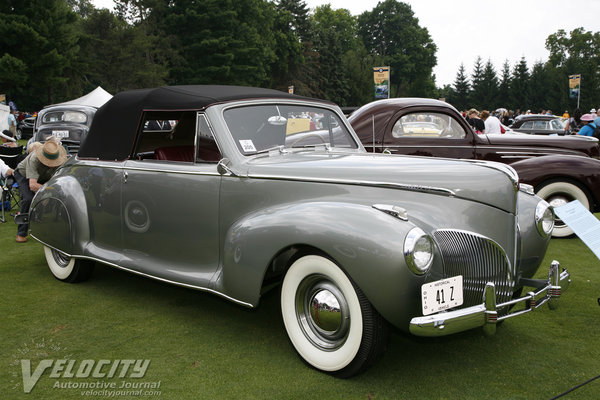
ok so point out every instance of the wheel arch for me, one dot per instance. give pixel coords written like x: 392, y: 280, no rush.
x: 259, y: 248
x: 58, y: 216
x: 576, y: 170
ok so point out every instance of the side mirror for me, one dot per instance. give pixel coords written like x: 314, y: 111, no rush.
x: 223, y: 167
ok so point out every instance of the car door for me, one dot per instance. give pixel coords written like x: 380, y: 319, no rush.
x: 170, y: 205
x: 432, y: 133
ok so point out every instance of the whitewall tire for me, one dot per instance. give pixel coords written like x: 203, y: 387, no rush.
x: 558, y: 193
x: 329, y: 321
x: 67, y: 269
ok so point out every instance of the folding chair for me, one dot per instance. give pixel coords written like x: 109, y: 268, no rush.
x: 9, y: 198
x: 11, y: 155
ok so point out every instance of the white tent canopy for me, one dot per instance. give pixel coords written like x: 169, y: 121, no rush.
x: 95, y: 98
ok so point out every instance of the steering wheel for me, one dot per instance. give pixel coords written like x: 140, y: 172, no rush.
x: 307, y: 136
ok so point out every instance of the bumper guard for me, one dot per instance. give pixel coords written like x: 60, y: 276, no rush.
x: 486, y: 314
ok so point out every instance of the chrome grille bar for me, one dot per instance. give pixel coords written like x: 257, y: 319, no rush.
x: 479, y: 260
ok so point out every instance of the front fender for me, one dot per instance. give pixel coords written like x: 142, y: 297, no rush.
x: 365, y: 242
x: 58, y: 215
x: 584, y: 170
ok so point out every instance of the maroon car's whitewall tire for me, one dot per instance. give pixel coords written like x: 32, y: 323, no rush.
x: 67, y: 269
x: 558, y: 193
x: 349, y: 336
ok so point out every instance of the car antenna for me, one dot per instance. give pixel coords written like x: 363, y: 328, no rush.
x: 373, y: 128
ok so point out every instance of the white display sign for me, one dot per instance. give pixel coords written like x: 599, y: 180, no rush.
x: 584, y: 224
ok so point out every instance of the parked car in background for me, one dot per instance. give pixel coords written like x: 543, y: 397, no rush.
x: 70, y: 121
x: 70, y: 124
x: 251, y: 188
x: 25, y: 128
x: 560, y: 169
x: 539, y: 124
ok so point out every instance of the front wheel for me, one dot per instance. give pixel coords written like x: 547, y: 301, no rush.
x: 68, y: 269
x: 328, y: 319
x: 558, y: 193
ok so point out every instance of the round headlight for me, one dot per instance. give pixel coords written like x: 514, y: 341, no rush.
x: 544, y: 218
x: 418, y: 251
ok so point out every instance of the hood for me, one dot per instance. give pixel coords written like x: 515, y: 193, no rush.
x: 490, y: 183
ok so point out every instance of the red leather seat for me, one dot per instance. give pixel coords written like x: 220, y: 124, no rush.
x: 175, y: 153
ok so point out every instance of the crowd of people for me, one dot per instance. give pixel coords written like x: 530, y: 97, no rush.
x: 499, y: 120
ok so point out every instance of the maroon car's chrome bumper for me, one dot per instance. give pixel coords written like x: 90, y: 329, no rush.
x: 486, y: 314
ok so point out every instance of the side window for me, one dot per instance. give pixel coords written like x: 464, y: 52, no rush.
x: 542, y: 125
x: 556, y: 125
x: 206, y: 146
x: 428, y: 125
x: 167, y: 136
x: 527, y: 125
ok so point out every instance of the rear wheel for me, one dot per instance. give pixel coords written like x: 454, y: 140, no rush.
x: 558, y: 193
x: 68, y: 269
x: 329, y: 321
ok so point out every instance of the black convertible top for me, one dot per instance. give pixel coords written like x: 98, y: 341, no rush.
x: 115, y: 124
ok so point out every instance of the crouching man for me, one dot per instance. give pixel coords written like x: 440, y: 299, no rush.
x: 31, y: 173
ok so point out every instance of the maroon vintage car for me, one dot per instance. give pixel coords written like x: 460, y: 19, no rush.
x: 560, y: 168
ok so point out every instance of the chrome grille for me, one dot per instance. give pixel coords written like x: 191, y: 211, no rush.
x: 479, y: 260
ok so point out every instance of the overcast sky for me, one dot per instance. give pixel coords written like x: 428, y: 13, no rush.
x: 498, y: 31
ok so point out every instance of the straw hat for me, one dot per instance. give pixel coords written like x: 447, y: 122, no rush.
x: 51, y: 154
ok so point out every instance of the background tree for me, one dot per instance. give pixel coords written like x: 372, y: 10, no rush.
x: 477, y: 89
x: 504, y: 87
x: 488, y: 88
x: 115, y: 55
x: 459, y: 97
x: 221, y: 42
x: 37, y: 73
x: 336, y: 41
x: 392, y: 32
x: 538, y: 87
x: 519, y: 87
x: 578, y: 53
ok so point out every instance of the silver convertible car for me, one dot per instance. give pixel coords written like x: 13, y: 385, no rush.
x: 234, y: 190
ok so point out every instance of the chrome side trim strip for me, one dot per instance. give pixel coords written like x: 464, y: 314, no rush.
x: 415, y: 188
x: 172, y: 171
x: 186, y: 285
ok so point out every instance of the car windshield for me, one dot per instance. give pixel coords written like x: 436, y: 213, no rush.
x: 64, y: 116
x: 263, y: 127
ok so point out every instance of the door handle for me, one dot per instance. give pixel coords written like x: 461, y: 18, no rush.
x: 125, y: 175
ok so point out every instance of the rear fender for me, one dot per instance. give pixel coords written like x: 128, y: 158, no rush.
x: 58, y: 215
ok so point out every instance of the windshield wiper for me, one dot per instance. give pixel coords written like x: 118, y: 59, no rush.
x: 315, y: 146
x: 280, y: 150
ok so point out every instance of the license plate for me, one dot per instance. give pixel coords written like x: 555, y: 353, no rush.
x: 442, y: 295
x: 60, y: 134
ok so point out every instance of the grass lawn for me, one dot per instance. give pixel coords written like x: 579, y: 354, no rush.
x: 203, y: 347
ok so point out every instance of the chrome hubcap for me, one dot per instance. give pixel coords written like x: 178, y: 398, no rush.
x: 558, y: 201
x: 61, y: 259
x: 322, y: 312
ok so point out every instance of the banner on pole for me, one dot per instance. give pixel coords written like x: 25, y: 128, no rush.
x: 381, y: 77
x: 574, y: 84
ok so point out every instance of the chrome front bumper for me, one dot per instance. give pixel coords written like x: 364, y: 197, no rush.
x: 486, y: 314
